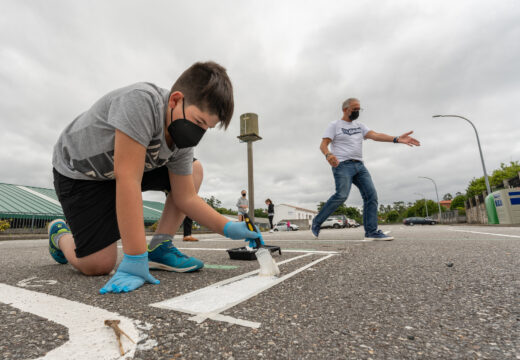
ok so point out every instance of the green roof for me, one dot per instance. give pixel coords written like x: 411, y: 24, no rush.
x: 19, y: 201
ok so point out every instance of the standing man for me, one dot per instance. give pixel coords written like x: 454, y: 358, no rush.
x: 346, y: 136
x: 242, y: 206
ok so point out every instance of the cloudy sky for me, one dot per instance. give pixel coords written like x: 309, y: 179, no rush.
x: 292, y: 63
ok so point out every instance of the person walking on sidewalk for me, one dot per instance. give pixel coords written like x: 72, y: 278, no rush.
x: 346, y: 137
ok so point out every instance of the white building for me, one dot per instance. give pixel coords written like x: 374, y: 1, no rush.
x: 290, y: 212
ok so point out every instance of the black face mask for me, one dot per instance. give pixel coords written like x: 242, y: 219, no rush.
x: 184, y: 133
x: 354, y: 115
x: 244, y: 195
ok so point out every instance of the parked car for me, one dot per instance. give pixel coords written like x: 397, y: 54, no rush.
x: 342, y: 218
x: 352, y: 223
x: 332, y: 223
x: 419, y: 220
x: 282, y: 226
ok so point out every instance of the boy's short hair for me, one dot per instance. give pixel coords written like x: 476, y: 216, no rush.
x: 207, y: 86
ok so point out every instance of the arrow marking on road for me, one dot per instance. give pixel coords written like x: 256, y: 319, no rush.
x: 89, y: 338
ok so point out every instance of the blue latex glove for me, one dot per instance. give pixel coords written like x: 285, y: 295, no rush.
x: 130, y: 275
x: 252, y: 242
x: 238, y: 231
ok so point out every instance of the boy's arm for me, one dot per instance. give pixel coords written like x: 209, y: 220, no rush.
x: 133, y: 271
x: 187, y: 200
x: 129, y: 157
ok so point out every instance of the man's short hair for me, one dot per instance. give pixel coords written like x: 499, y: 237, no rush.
x: 207, y: 86
x: 347, y: 102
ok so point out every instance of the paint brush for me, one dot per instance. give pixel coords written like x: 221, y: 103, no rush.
x: 268, y: 266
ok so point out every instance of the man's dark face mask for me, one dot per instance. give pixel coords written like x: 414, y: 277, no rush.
x: 183, y: 132
x: 354, y: 115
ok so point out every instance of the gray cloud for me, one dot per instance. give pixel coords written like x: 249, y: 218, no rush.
x: 291, y: 62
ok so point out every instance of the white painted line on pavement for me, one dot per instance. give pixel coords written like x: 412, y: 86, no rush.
x: 486, y: 233
x: 283, y: 250
x: 209, y: 302
x: 45, y: 197
x: 89, y: 338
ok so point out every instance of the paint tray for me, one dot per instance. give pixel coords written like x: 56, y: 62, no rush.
x: 242, y: 253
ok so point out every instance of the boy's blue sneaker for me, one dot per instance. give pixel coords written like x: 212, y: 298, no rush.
x: 379, y: 236
x: 55, y: 228
x: 315, y: 229
x: 168, y: 257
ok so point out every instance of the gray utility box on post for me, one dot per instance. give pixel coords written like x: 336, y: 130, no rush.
x: 507, y: 202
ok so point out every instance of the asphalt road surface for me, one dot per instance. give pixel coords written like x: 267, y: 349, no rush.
x: 435, y: 292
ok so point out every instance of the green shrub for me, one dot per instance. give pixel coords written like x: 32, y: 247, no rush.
x: 4, y: 225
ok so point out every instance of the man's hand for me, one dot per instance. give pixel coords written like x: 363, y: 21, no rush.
x: 332, y: 160
x: 408, y: 140
x: 131, y: 274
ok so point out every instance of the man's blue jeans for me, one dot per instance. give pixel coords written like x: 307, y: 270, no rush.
x: 350, y: 172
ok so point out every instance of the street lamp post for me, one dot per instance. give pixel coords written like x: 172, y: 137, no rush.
x: 249, y: 134
x: 488, y: 188
x: 425, y: 204
x: 437, y: 193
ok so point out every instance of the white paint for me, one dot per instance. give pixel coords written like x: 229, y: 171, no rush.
x: 89, y: 338
x: 45, y: 197
x: 486, y: 233
x: 209, y: 302
x: 283, y: 251
x: 31, y: 282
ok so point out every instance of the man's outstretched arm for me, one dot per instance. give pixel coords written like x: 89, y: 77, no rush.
x: 402, y: 139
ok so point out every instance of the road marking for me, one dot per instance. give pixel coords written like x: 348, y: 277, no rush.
x: 30, y: 283
x: 211, y: 301
x: 486, y: 233
x: 283, y: 250
x: 89, y: 338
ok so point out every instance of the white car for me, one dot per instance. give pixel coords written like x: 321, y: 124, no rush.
x: 282, y: 226
x: 332, y: 223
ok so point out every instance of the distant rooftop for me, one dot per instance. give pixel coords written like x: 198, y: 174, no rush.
x: 20, y: 201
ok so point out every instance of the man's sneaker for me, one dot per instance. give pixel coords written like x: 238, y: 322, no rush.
x: 315, y: 229
x: 379, y: 236
x: 190, y: 238
x: 54, y: 228
x: 167, y: 257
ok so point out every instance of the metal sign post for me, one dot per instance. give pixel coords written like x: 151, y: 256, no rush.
x: 249, y: 134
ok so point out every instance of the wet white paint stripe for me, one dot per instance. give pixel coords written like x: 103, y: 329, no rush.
x: 486, y: 233
x: 283, y: 250
x: 210, y: 301
x: 45, y: 197
x: 89, y: 338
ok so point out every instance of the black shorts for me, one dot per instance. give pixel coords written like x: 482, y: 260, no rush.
x: 90, y: 207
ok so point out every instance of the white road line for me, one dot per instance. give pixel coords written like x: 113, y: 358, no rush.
x: 283, y: 250
x: 209, y: 302
x: 89, y: 338
x: 45, y: 197
x: 486, y: 233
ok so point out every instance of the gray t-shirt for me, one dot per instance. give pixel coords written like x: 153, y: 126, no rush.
x: 242, y: 201
x: 85, y: 149
x: 347, y: 139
